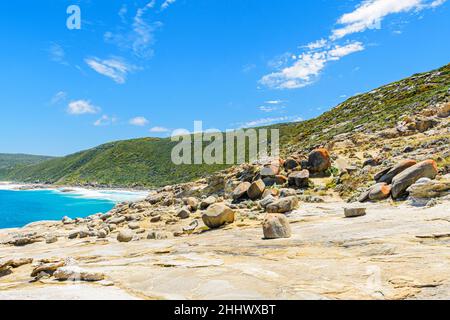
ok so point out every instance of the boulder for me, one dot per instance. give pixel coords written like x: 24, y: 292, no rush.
x: 400, y: 167
x: 48, y: 268
x: 256, y: 189
x: 319, y: 160
x: 125, y: 235
x: 75, y: 273
x: 401, y: 182
x: 266, y: 201
x: 425, y: 124
x: 283, y: 205
x: 5, y: 264
x: 269, y: 171
x: 426, y: 188
x: 217, y: 215
x: 133, y: 225
x: 281, y: 180
x: 291, y: 164
x: 184, y: 213
x: 353, y: 212
x: 192, y: 203
x: 276, y: 226
x: 299, y: 179
x: 444, y: 111
x: 241, y: 190
x: 207, y: 202
x: 155, y: 219
x: 67, y: 220
x: 269, y: 181
x: 16, y: 263
x: 51, y: 239
x: 380, y: 191
x: 102, y: 234
x: 381, y: 173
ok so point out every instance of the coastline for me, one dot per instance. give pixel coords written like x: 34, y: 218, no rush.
x: 113, y: 195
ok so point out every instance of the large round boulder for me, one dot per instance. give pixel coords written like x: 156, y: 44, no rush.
x: 276, y: 226
x: 217, y: 215
x: 401, y: 182
x: 319, y: 160
x: 125, y: 235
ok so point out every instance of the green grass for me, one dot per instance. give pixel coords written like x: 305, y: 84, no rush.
x: 147, y: 162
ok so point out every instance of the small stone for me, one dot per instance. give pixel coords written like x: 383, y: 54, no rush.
x: 125, y: 235
x: 354, y: 212
x: 184, y: 213
x: 155, y: 219
x: 380, y: 191
x: 67, y: 220
x: 283, y: 205
x: 102, y: 234
x: 51, y: 239
x: 192, y: 203
x: 133, y: 225
x: 207, y: 202
x: 276, y: 226
x: 155, y: 235
x: 267, y: 201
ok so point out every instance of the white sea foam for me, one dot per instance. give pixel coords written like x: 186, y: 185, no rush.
x: 102, y: 194
x: 111, y: 195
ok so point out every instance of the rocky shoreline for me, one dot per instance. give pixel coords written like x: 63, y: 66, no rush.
x: 357, y: 218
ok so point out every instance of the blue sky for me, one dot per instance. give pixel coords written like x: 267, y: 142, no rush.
x: 143, y: 68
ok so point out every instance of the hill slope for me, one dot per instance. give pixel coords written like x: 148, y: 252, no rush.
x: 146, y: 162
x: 11, y: 161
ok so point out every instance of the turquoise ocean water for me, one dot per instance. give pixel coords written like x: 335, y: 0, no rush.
x: 18, y: 208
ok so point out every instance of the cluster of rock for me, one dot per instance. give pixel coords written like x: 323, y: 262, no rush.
x: 64, y: 270
x: 406, y: 178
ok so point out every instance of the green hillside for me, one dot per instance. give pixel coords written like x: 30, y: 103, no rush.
x: 11, y: 161
x: 146, y: 162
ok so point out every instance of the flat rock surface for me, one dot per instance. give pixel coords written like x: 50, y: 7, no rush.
x: 394, y: 252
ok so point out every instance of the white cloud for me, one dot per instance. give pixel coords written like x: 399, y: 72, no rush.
x: 298, y: 71
x: 308, y: 67
x: 167, y: 3
x: 341, y: 51
x: 139, y: 121
x: 317, y: 44
x: 139, y: 36
x: 114, y: 68
x: 274, y: 102
x: 58, y: 97
x: 80, y: 107
x: 271, y: 108
x: 105, y: 120
x: 370, y: 13
x: 159, y: 130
